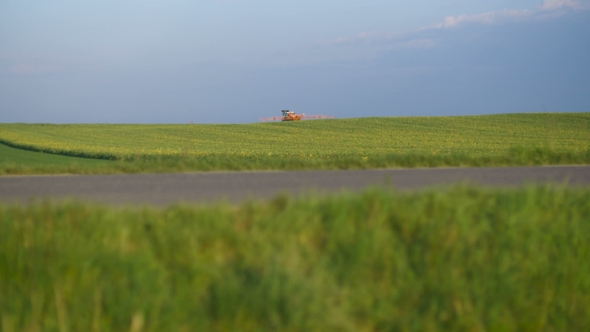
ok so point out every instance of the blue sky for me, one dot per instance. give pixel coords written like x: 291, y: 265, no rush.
x: 235, y: 61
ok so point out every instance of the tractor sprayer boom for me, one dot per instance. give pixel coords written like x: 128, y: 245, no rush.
x: 292, y: 116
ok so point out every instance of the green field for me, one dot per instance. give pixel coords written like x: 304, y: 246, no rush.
x: 35, y: 162
x: 507, y: 139
x: 455, y: 259
x: 459, y: 258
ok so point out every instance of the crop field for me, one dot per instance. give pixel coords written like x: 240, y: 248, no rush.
x: 11, y: 158
x: 507, y: 139
x: 459, y: 259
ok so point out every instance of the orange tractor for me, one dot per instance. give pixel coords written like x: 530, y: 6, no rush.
x: 292, y: 116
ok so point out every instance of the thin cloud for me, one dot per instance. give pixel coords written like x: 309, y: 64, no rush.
x: 32, y: 69
x: 550, y: 5
x: 415, y: 43
x: 485, y: 18
x: 547, y: 8
x: 7, y: 56
x: 360, y: 37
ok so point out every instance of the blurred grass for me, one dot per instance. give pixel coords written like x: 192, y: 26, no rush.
x: 490, y: 140
x: 459, y: 259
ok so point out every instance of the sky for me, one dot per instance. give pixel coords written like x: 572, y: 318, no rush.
x: 236, y: 61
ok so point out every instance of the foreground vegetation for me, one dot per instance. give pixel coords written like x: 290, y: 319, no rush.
x: 507, y: 139
x: 459, y: 259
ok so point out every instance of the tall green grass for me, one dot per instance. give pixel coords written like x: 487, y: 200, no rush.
x: 459, y: 259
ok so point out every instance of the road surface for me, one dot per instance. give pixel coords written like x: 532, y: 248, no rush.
x: 164, y: 189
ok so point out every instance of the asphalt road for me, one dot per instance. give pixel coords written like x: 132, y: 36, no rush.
x: 237, y: 186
